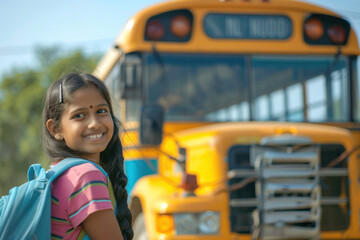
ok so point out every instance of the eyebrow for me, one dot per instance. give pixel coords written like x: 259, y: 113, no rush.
x: 84, y: 108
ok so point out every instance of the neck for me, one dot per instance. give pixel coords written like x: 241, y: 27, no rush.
x: 97, y: 161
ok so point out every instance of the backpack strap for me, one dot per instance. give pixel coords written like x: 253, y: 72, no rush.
x: 112, y: 195
x: 36, y: 171
x: 67, y: 163
x: 82, y: 235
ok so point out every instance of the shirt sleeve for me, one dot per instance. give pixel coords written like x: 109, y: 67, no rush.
x: 90, y: 194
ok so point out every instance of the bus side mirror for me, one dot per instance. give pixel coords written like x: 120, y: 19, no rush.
x: 151, y: 124
x: 130, y: 76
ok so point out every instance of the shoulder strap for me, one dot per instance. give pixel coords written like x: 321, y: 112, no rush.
x: 67, y: 163
x: 112, y: 195
x: 36, y: 171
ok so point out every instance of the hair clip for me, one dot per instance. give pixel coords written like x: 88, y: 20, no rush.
x: 61, y: 99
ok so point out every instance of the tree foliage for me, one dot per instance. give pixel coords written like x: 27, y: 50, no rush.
x: 21, y: 98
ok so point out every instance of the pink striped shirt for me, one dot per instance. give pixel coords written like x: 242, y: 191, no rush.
x: 76, y: 194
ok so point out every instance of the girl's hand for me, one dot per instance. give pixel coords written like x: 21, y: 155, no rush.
x: 102, y: 225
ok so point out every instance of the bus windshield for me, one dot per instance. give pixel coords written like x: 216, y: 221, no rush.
x: 203, y: 87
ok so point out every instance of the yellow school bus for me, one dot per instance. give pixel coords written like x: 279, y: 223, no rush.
x: 241, y: 120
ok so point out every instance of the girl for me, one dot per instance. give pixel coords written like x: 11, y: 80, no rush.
x: 79, y: 122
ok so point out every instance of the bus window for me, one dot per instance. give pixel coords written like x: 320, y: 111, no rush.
x: 234, y: 112
x: 198, y: 87
x: 215, y: 88
x: 309, y: 89
x: 112, y: 82
x: 238, y: 112
x: 316, y: 99
x: 262, y: 108
x: 355, y: 64
x: 277, y: 107
x: 295, y: 108
x: 132, y: 109
x: 339, y: 94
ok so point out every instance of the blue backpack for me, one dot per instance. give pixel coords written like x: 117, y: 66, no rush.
x: 26, y: 212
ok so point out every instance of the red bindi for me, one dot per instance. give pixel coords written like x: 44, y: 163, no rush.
x: 91, y: 106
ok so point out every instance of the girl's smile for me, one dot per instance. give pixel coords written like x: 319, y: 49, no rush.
x: 95, y: 136
x: 86, y: 124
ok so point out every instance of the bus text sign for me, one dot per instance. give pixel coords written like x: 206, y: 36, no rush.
x: 236, y: 26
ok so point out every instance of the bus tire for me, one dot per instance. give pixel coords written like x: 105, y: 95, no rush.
x: 140, y: 228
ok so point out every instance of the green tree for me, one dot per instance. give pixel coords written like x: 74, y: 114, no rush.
x: 21, y: 95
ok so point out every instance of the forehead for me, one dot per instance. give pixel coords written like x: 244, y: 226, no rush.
x: 86, y: 96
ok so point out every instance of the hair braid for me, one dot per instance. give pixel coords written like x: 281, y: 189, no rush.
x: 113, y: 161
x: 123, y: 213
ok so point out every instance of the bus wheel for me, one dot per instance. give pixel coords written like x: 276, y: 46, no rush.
x: 139, y: 228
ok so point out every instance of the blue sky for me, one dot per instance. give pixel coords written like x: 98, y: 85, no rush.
x: 89, y: 24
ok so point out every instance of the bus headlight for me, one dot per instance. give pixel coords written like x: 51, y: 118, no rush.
x: 197, y: 223
x: 209, y: 222
x: 185, y: 223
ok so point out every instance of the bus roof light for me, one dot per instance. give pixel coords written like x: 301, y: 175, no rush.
x: 154, y: 30
x: 189, y: 182
x: 321, y: 29
x: 180, y: 26
x: 171, y: 26
x: 336, y: 34
x: 313, y: 29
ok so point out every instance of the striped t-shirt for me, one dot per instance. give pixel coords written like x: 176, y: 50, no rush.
x: 78, y: 192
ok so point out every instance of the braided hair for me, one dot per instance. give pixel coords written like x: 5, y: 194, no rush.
x: 111, y: 159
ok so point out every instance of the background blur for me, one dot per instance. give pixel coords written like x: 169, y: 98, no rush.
x: 43, y: 40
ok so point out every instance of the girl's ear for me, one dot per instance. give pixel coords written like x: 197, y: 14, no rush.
x: 53, y: 130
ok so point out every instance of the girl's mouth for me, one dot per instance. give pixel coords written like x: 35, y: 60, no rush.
x: 95, y: 136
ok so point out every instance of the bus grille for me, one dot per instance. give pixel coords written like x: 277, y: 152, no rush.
x: 293, y: 189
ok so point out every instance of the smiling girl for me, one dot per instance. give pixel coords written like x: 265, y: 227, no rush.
x: 79, y: 122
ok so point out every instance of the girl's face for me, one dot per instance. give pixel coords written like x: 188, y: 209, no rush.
x: 86, y: 124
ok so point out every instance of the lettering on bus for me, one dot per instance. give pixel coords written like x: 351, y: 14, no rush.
x: 233, y: 26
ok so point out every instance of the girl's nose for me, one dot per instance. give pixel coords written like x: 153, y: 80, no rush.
x: 94, y: 122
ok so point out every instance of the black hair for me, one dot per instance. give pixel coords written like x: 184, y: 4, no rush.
x: 58, y: 96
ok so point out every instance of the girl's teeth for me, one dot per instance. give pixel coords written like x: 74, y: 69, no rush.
x: 95, y: 136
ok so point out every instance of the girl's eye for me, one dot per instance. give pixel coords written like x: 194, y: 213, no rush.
x: 79, y: 115
x: 102, y: 110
